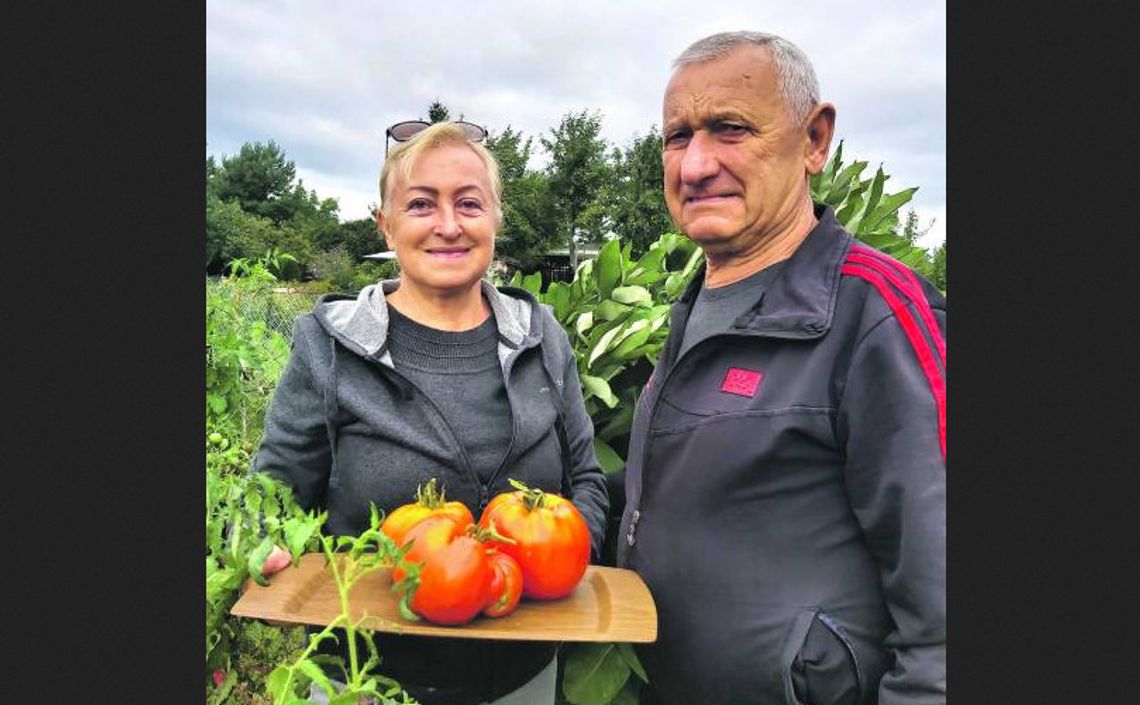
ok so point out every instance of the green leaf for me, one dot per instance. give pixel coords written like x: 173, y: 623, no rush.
x: 602, y: 344
x: 558, y: 296
x: 594, y: 674
x: 846, y: 184
x: 600, y: 388
x: 316, y: 675
x: 628, y: 695
x: 913, y: 258
x: 639, y: 332
x: 634, y: 295
x: 609, y: 310
x: 252, y: 503
x: 608, y: 458
x: 608, y: 269
x: 298, y: 531
x: 277, y: 682
x: 216, y: 403
x: 630, y: 657
x: 257, y: 559
x: 584, y: 321
x: 533, y: 283
x: 619, y: 423
x: 845, y: 213
x: 856, y: 223
x: 887, y: 207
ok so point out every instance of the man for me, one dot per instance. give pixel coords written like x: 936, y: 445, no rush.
x: 785, y: 491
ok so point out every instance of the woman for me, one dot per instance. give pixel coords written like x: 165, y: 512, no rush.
x: 436, y: 374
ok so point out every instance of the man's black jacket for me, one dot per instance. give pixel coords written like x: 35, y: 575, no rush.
x: 785, y: 490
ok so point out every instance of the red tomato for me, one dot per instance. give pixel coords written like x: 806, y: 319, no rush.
x: 506, y: 586
x: 428, y: 503
x: 551, y: 539
x: 455, y: 575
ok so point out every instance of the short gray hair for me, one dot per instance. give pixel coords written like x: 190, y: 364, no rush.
x: 798, y: 85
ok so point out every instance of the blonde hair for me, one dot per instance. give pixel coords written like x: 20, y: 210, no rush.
x: 440, y: 134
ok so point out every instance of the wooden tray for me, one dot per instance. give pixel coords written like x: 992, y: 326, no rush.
x: 609, y: 604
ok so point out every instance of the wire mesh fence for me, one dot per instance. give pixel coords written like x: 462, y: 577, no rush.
x: 278, y: 308
x: 249, y: 329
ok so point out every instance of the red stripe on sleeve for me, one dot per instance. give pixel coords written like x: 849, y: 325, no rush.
x: 921, y: 349
x: 901, y: 276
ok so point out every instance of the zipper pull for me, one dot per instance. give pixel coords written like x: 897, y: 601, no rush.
x: 632, y: 526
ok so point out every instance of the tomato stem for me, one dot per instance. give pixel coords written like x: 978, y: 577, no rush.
x: 533, y: 497
x: 428, y: 496
x: 487, y: 533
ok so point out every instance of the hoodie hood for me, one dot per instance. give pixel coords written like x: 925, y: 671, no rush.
x: 361, y: 323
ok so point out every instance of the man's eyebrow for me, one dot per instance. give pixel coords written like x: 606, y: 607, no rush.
x: 724, y: 116
x: 708, y: 120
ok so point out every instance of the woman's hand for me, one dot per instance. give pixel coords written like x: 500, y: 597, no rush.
x: 277, y: 560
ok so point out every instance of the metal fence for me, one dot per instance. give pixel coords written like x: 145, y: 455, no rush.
x: 278, y: 308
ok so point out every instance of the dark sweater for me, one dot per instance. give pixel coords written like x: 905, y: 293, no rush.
x: 460, y: 373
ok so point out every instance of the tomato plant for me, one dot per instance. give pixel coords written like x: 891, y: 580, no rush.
x: 429, y: 502
x: 551, y: 541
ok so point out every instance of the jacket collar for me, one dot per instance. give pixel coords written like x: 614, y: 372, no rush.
x: 800, y: 301
x: 361, y: 323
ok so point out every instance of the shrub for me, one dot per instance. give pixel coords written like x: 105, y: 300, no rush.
x: 244, y: 354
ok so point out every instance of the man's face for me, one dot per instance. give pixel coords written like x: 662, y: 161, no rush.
x: 735, y: 169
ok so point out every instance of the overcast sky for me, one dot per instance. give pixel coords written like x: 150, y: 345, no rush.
x: 324, y: 78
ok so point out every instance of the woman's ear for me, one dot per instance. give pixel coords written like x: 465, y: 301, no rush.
x: 382, y: 228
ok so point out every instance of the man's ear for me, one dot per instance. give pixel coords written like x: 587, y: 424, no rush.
x: 820, y: 128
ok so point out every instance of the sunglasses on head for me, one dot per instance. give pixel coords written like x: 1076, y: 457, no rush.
x: 404, y: 131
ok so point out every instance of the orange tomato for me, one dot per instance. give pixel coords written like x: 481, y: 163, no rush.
x: 429, y: 502
x: 551, y: 539
x: 506, y: 585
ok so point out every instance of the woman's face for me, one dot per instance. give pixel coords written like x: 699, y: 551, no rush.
x: 442, y: 221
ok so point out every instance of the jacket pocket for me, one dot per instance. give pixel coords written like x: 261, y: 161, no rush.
x: 818, y: 663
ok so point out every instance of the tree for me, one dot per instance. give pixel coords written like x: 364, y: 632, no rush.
x: 438, y: 112
x: 255, y: 177
x: 576, y: 171
x: 529, y: 225
x: 933, y: 266
x: 356, y: 237
x: 633, y: 198
x: 259, y: 182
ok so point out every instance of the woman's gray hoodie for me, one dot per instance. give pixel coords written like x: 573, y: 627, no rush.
x: 345, y: 428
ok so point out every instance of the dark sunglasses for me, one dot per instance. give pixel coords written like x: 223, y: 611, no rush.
x: 404, y: 131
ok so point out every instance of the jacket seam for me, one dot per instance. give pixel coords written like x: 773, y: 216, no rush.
x: 731, y: 415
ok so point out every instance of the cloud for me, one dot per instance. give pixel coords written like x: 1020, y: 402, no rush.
x: 325, y: 79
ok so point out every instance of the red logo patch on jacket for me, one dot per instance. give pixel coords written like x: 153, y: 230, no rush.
x: 741, y: 382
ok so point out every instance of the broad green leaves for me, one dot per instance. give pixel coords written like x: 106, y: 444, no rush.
x: 864, y: 208
x: 616, y: 313
x: 608, y: 269
x: 599, y: 674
